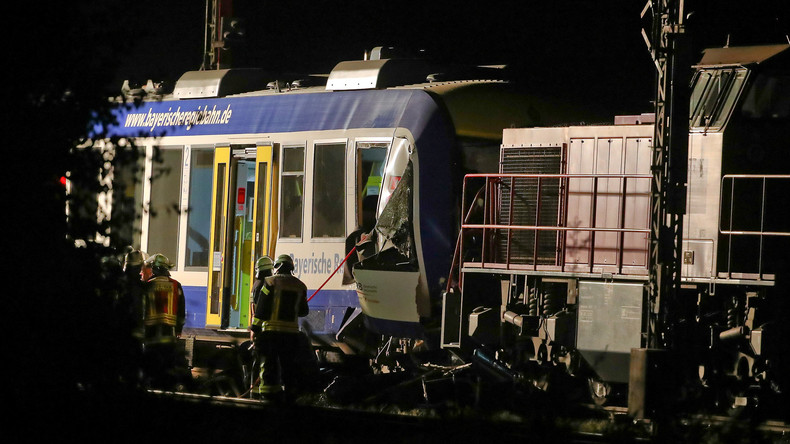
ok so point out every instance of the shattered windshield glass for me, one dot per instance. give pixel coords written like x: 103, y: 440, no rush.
x: 394, y: 223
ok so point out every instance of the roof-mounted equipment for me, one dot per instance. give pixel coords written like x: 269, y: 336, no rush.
x: 219, y: 83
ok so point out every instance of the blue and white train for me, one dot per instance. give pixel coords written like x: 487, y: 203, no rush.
x: 239, y: 165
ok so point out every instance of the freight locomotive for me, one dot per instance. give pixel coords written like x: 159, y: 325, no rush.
x: 552, y: 268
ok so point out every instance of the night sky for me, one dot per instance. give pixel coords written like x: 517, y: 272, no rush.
x: 589, y: 52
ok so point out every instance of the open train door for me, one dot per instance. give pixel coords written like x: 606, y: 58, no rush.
x: 219, y: 201
x: 241, y: 227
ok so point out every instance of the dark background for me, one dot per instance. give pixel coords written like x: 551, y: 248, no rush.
x: 589, y: 52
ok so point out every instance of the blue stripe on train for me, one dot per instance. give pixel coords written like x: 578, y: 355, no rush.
x: 327, y: 311
x: 195, y: 299
x: 331, y: 304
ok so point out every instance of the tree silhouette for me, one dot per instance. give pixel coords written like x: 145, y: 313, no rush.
x: 69, y: 341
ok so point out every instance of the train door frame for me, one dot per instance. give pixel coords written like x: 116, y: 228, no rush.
x: 266, y: 229
x: 219, y: 203
x: 239, y: 247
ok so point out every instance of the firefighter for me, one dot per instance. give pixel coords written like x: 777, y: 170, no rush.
x: 280, y: 303
x: 164, y: 314
x: 134, y: 285
x: 264, y: 267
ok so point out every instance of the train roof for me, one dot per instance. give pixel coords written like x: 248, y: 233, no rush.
x: 461, y: 91
x: 743, y: 55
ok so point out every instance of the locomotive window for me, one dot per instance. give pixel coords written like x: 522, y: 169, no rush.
x: 328, y: 190
x: 164, y: 204
x: 291, y: 192
x: 768, y: 98
x: 371, y: 157
x: 729, y: 99
x: 713, y: 96
x: 199, y: 216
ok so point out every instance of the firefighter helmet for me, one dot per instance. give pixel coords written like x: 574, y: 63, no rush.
x: 159, y: 261
x: 134, y: 258
x: 264, y: 263
x: 284, y: 261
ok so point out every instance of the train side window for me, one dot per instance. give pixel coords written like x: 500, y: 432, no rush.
x: 128, y: 177
x: 371, y: 157
x: 328, y: 190
x: 292, y: 192
x: 199, y: 216
x: 163, y: 224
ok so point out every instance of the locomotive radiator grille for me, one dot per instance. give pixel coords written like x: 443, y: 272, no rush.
x: 526, y: 209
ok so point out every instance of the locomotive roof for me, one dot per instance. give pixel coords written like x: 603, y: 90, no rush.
x: 741, y: 55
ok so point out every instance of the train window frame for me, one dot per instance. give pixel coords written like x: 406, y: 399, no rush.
x: 156, y: 152
x: 190, y: 198
x: 384, y: 144
x: 710, y: 109
x: 282, y: 188
x: 317, y: 144
x: 132, y: 176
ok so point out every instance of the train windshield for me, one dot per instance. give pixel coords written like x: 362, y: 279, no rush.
x: 398, y: 159
x: 713, y: 96
x: 394, y: 211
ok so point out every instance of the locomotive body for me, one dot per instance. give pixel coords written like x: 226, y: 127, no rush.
x: 552, y: 265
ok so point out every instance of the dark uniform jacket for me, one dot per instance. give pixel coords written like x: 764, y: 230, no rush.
x: 278, y: 305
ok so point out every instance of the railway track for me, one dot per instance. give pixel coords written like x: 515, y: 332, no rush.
x: 315, y: 420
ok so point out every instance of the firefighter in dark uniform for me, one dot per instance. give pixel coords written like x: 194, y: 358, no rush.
x: 280, y: 303
x: 164, y: 314
x: 135, y: 286
x: 264, y: 268
x: 130, y: 306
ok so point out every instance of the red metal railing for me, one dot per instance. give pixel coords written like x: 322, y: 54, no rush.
x: 497, y: 184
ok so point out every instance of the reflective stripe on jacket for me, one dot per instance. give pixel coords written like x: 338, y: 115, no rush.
x: 282, y: 300
x: 164, y: 303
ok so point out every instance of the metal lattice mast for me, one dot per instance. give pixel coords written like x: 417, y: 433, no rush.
x: 669, y: 165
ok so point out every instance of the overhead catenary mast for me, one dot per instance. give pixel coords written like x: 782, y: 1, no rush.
x: 668, y: 44
x: 219, y: 27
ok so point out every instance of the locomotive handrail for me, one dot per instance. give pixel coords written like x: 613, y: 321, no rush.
x: 559, y: 176
x: 762, y: 233
x: 554, y: 228
x: 490, y: 207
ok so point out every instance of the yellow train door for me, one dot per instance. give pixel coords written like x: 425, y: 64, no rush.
x: 241, y: 224
x: 216, y: 279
